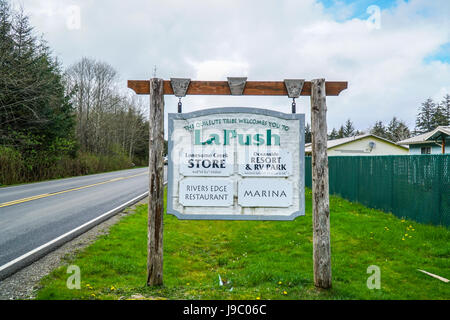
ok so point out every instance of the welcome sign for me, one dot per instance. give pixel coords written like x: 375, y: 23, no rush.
x: 236, y: 164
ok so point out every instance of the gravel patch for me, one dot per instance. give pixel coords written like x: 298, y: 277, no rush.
x: 24, y: 284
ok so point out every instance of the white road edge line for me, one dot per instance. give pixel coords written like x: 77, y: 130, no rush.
x: 71, y: 232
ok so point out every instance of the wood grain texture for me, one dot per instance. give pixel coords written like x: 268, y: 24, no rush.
x: 252, y: 88
x: 156, y: 185
x: 320, y: 187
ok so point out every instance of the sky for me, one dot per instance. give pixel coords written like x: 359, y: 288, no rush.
x: 394, y: 53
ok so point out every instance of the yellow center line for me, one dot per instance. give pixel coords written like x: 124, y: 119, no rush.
x: 45, y: 195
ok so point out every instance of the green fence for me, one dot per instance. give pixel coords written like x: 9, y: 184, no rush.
x: 416, y: 187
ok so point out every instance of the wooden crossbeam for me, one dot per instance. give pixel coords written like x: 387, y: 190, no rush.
x: 252, y: 88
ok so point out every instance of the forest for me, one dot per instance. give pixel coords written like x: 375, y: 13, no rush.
x: 58, y: 123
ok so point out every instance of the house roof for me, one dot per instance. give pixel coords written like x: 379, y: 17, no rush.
x: 338, y: 142
x: 428, y: 137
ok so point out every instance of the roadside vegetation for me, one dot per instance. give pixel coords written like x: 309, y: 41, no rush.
x: 262, y: 259
x: 56, y: 123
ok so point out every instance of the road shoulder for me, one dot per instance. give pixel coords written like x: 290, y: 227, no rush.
x: 23, y: 284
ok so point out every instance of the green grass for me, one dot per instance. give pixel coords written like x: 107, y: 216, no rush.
x: 263, y: 259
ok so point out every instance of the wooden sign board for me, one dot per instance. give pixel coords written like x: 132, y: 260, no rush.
x: 236, y: 164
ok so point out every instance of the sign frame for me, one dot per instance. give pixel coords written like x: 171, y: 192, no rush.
x: 237, y: 110
x: 317, y: 89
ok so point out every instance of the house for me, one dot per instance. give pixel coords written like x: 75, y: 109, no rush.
x: 433, y: 142
x: 362, y: 145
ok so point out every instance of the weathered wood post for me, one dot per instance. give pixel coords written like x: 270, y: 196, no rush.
x: 156, y: 184
x: 320, y: 187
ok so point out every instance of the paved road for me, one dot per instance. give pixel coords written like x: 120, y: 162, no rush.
x: 34, y: 214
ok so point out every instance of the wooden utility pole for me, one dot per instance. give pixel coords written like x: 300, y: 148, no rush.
x: 320, y: 196
x: 156, y: 184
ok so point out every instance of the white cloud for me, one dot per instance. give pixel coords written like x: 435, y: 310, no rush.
x: 265, y: 40
x: 219, y: 69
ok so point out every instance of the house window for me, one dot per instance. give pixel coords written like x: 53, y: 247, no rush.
x: 425, y: 150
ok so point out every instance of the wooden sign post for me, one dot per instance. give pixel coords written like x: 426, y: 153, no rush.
x: 318, y: 90
x: 156, y: 185
x: 320, y: 195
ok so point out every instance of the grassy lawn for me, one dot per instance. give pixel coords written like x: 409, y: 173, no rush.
x: 263, y: 259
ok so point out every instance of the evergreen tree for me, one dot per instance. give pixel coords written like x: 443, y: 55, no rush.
x: 308, y: 137
x: 439, y: 116
x: 333, y: 135
x: 379, y: 130
x: 6, y: 43
x: 445, y: 110
x: 397, y: 130
x: 341, y: 132
x: 35, y: 114
x: 425, y: 120
x: 349, y: 129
